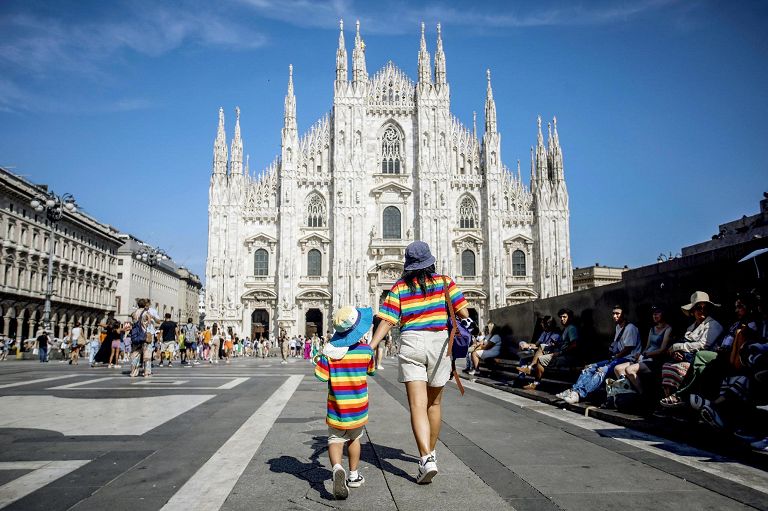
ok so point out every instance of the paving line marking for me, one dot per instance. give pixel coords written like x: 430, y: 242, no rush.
x: 28, y: 483
x: 704, y: 461
x: 232, y: 384
x: 22, y: 465
x: 81, y: 383
x: 31, y: 382
x: 210, y: 486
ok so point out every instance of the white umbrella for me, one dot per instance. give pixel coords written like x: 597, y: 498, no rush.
x: 754, y: 255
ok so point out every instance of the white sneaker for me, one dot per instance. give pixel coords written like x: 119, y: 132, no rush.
x: 572, y: 398
x: 472, y: 372
x: 380, y: 367
x: 427, y: 470
x: 340, y: 489
x: 357, y: 482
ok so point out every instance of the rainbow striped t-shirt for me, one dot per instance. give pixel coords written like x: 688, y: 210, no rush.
x: 414, y: 311
x: 347, y: 386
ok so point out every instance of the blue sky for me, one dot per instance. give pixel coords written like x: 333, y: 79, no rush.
x: 661, y: 104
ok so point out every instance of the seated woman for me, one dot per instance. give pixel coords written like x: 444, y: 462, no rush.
x: 562, y: 353
x: 651, y: 359
x: 703, y: 335
x: 546, y: 343
x: 491, y: 348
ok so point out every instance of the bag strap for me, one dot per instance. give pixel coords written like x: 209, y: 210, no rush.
x: 454, y: 329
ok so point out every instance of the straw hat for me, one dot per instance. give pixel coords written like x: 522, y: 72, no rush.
x: 696, y: 298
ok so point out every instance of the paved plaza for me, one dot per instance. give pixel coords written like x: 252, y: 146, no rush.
x: 251, y: 435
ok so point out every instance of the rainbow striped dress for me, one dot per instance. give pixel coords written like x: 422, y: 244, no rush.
x: 347, y: 386
x: 414, y: 311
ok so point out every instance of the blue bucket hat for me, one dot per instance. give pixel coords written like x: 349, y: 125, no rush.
x: 350, y: 325
x: 418, y: 256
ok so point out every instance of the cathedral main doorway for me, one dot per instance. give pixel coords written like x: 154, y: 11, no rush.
x: 259, y: 324
x: 314, y: 322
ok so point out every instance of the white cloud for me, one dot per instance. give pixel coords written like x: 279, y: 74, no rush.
x: 400, y: 16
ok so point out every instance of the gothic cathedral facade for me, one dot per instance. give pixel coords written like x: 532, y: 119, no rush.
x: 327, y: 223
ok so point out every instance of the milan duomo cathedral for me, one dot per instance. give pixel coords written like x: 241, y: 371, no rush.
x: 326, y: 224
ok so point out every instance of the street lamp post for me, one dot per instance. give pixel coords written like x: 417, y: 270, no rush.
x: 54, y: 207
x: 151, y: 256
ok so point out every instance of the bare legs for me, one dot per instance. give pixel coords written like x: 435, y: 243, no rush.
x: 426, y: 414
x: 336, y: 453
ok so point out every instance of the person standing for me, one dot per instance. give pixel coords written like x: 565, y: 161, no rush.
x: 169, y: 330
x: 417, y: 304
x: 94, y: 344
x: 76, y: 341
x: 42, y: 346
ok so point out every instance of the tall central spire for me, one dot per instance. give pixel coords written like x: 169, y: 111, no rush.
x: 289, y: 121
x: 439, y: 59
x: 490, y: 106
x: 236, y: 164
x: 425, y: 73
x: 359, y: 73
x: 341, y: 56
x: 220, y: 147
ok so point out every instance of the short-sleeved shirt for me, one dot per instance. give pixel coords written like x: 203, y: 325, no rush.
x: 347, y: 386
x: 626, y: 336
x: 169, y: 331
x: 569, y: 338
x: 416, y: 311
x: 42, y: 342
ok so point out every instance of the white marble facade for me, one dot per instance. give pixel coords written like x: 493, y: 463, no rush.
x: 327, y: 222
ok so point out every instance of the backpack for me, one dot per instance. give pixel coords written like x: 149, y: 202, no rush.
x: 138, y: 333
x: 459, y: 339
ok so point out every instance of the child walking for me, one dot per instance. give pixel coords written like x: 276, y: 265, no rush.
x: 345, y: 363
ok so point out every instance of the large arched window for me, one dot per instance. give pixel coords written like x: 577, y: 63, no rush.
x: 468, y: 213
x: 261, y: 262
x: 314, y: 263
x: 391, y: 151
x: 316, y: 211
x: 391, y: 223
x: 468, y: 263
x: 518, y: 263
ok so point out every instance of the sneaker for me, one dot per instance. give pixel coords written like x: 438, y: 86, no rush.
x: 760, y: 445
x: 572, y: 398
x: 340, y: 489
x: 427, y: 470
x: 524, y: 370
x: 117, y: 366
x: 357, y: 482
x: 472, y: 372
x: 531, y: 386
x: 380, y: 367
x: 109, y: 366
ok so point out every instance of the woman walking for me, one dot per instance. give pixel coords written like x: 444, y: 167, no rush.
x: 417, y: 304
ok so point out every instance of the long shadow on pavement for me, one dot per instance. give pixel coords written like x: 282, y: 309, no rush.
x: 316, y: 472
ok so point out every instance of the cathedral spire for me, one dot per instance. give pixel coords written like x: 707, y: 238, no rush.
x: 519, y: 175
x: 359, y: 73
x: 220, y: 147
x: 533, y: 172
x: 236, y: 163
x: 490, y: 106
x: 341, y: 56
x: 289, y: 120
x: 248, y: 165
x: 541, y: 154
x: 474, y: 124
x: 425, y: 73
x: 557, y: 153
x: 439, y: 59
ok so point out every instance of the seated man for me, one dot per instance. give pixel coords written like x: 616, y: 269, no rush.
x: 626, y: 344
x: 546, y: 343
x: 563, y: 353
x: 491, y: 348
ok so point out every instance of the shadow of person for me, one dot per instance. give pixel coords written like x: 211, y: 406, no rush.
x: 316, y: 473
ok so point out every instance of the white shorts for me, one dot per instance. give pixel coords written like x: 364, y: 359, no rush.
x: 424, y: 356
x: 344, y: 435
